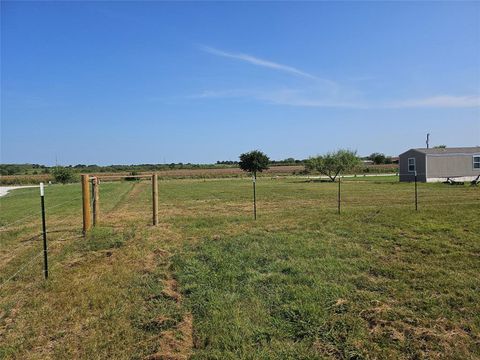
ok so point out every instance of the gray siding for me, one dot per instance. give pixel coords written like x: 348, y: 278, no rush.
x: 405, y: 175
x: 450, y: 165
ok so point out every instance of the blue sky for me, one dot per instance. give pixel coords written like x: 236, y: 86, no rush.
x: 154, y: 82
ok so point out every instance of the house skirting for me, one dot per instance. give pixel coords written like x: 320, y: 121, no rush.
x: 454, y: 178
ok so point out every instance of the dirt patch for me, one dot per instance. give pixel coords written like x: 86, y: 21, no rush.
x: 171, y: 290
x: 175, y: 339
x: 176, y: 344
x: 449, y: 337
x: 150, y: 261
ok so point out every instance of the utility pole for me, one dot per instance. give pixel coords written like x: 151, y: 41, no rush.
x: 428, y: 140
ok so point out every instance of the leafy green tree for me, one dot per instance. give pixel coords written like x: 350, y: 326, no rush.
x: 253, y: 162
x: 11, y: 169
x: 63, y: 175
x: 378, y: 158
x: 333, y: 163
x: 440, y: 147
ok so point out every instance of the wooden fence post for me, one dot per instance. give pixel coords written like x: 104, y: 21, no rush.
x: 96, y: 204
x: 86, y: 204
x: 155, y: 198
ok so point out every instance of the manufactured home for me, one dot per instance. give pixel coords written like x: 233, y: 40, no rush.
x: 440, y: 164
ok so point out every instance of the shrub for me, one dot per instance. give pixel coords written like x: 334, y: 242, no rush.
x: 63, y: 175
x: 132, y: 176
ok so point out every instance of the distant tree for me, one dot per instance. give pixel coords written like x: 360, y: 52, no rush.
x: 333, y: 163
x: 12, y: 169
x: 440, y: 147
x: 253, y: 162
x: 378, y: 158
x: 287, y: 161
x: 63, y: 174
x: 226, y: 162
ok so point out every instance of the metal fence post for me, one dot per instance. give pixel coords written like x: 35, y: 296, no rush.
x: 254, y: 196
x: 416, y: 193
x: 44, y: 230
x: 155, y: 198
x: 339, y: 192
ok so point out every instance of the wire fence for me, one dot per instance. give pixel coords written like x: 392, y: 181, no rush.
x: 54, y: 244
x: 346, y: 193
x: 32, y: 220
x: 21, y: 268
x: 36, y: 214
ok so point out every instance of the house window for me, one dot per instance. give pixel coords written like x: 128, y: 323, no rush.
x: 476, y: 162
x: 411, y: 165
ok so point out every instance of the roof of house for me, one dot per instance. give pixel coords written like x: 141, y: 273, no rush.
x: 449, y: 151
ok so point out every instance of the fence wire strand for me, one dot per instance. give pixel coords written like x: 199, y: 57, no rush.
x: 23, y: 267
x: 3, y: 228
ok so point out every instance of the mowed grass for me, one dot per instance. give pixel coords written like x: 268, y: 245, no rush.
x: 380, y: 280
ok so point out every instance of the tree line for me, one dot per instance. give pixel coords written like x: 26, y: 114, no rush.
x: 287, y: 161
x: 330, y: 164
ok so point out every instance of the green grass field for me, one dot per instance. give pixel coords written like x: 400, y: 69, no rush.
x: 378, y: 281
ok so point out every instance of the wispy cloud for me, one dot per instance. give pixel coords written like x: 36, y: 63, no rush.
x: 261, y: 62
x: 441, y: 101
x: 302, y: 98
x: 285, y: 96
x: 324, y: 92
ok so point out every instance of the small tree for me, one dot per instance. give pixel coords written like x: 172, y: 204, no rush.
x: 63, y: 175
x: 253, y: 162
x: 377, y: 158
x: 333, y: 163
